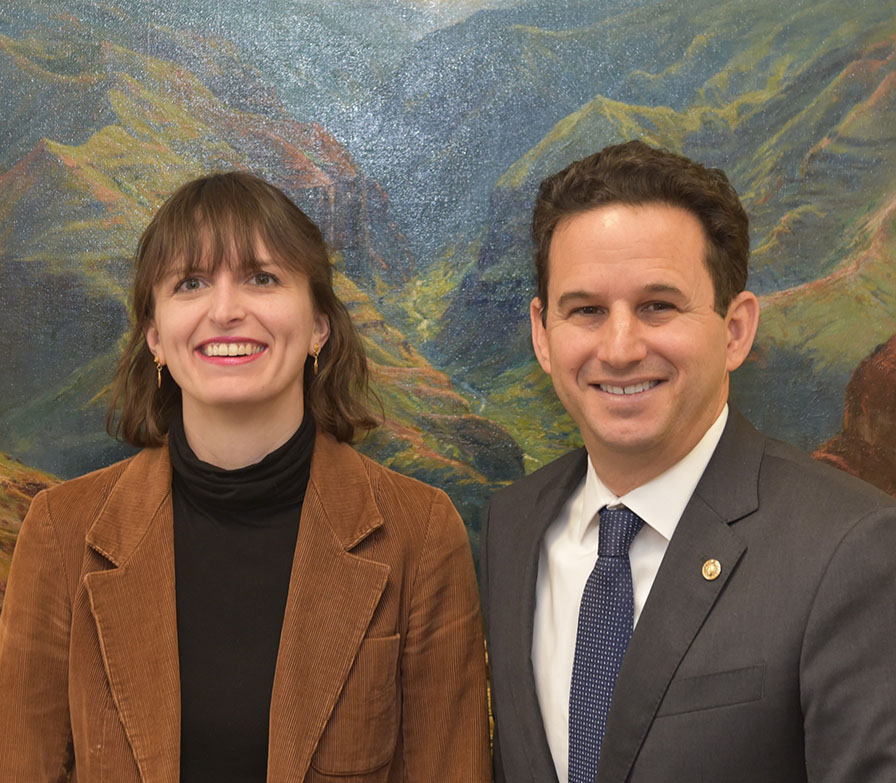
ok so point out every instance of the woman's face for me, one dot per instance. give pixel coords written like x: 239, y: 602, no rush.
x: 237, y: 341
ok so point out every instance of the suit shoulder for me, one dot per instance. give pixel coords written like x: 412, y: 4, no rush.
x: 70, y: 508
x: 78, y: 500
x: 386, y: 481
x: 821, y: 483
x: 97, y: 482
x: 570, y: 468
x: 402, y: 499
x: 419, y: 510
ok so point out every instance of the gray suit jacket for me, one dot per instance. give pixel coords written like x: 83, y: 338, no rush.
x: 783, y: 669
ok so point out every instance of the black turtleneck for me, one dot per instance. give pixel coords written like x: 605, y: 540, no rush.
x: 234, y: 538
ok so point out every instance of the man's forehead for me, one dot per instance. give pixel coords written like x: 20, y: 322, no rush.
x: 655, y: 246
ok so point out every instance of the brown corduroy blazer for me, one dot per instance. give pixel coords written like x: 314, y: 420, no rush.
x: 380, y: 674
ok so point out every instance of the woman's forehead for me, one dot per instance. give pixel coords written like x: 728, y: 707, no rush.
x: 209, y: 243
x: 210, y: 251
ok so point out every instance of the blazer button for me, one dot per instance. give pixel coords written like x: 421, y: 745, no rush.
x: 711, y: 569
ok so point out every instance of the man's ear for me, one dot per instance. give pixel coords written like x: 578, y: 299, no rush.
x: 540, y: 335
x: 741, y: 322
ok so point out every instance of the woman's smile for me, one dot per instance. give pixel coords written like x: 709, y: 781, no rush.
x: 231, y: 348
x: 237, y: 337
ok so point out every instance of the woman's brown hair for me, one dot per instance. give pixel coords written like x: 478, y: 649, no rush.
x: 219, y: 219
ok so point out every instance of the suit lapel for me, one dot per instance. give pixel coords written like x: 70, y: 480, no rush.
x: 679, y: 602
x: 332, y: 597
x: 558, y: 486
x: 133, y: 605
x: 681, y: 598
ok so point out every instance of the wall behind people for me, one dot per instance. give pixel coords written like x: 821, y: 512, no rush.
x: 415, y: 133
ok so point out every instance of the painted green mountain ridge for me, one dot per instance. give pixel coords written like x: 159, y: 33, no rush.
x: 809, y: 140
x: 69, y: 222
x: 795, y: 102
x: 474, y: 97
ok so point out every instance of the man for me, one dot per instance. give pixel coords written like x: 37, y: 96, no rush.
x: 761, y: 585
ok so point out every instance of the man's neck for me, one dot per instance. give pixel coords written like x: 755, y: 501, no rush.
x: 622, y: 472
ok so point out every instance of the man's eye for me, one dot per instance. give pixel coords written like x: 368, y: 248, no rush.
x: 586, y: 310
x: 659, y: 307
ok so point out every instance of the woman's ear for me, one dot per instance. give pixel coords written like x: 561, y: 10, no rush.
x: 151, y: 335
x: 321, y: 331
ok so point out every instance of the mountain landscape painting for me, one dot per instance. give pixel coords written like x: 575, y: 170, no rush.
x: 415, y: 133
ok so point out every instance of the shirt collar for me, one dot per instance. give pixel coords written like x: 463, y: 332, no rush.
x: 662, y: 500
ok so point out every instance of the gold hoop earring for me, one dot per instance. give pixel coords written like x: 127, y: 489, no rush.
x: 159, y: 367
x: 316, y: 354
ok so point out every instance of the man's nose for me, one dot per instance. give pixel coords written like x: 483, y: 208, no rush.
x: 622, y: 339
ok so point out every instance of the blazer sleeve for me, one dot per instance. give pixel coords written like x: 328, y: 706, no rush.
x: 35, y: 729
x: 848, y: 660
x: 444, y: 723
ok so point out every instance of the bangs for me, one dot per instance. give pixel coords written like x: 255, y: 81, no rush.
x: 217, y: 223
x: 233, y: 220
x: 213, y: 243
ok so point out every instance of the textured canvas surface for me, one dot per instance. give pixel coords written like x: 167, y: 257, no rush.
x: 415, y: 133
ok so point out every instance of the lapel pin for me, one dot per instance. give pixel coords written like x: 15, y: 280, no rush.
x: 711, y: 569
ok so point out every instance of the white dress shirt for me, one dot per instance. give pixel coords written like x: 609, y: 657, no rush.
x: 568, y: 555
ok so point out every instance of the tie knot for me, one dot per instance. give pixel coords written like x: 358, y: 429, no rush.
x: 618, y: 528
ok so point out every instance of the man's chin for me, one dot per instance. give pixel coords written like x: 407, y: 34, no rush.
x: 636, y: 439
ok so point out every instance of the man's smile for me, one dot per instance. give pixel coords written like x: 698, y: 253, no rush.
x: 635, y: 388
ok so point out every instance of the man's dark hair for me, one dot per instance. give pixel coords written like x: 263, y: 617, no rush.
x: 635, y: 174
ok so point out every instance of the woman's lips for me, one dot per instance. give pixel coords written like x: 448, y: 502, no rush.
x: 230, y: 348
x: 233, y: 351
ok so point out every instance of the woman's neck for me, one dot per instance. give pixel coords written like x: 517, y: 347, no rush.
x: 235, y: 437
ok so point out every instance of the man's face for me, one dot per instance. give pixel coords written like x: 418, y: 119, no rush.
x: 636, y: 352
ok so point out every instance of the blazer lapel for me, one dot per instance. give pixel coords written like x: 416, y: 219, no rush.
x: 133, y: 605
x: 681, y: 598
x: 557, y: 488
x: 332, y: 597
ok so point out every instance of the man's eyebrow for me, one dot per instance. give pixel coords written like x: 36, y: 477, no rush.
x: 573, y: 296
x: 663, y: 288
x: 651, y: 288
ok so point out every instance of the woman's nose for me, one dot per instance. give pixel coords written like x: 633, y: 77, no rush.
x: 226, y: 302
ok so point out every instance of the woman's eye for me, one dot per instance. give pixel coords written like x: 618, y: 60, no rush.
x: 189, y: 284
x: 264, y: 279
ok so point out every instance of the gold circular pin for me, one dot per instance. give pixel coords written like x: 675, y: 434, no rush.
x: 711, y: 569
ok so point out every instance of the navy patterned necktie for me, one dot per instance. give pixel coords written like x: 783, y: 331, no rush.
x: 606, y: 620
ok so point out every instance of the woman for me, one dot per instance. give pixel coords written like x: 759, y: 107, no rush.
x: 247, y: 598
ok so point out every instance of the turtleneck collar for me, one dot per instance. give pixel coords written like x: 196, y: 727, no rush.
x: 277, y: 481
